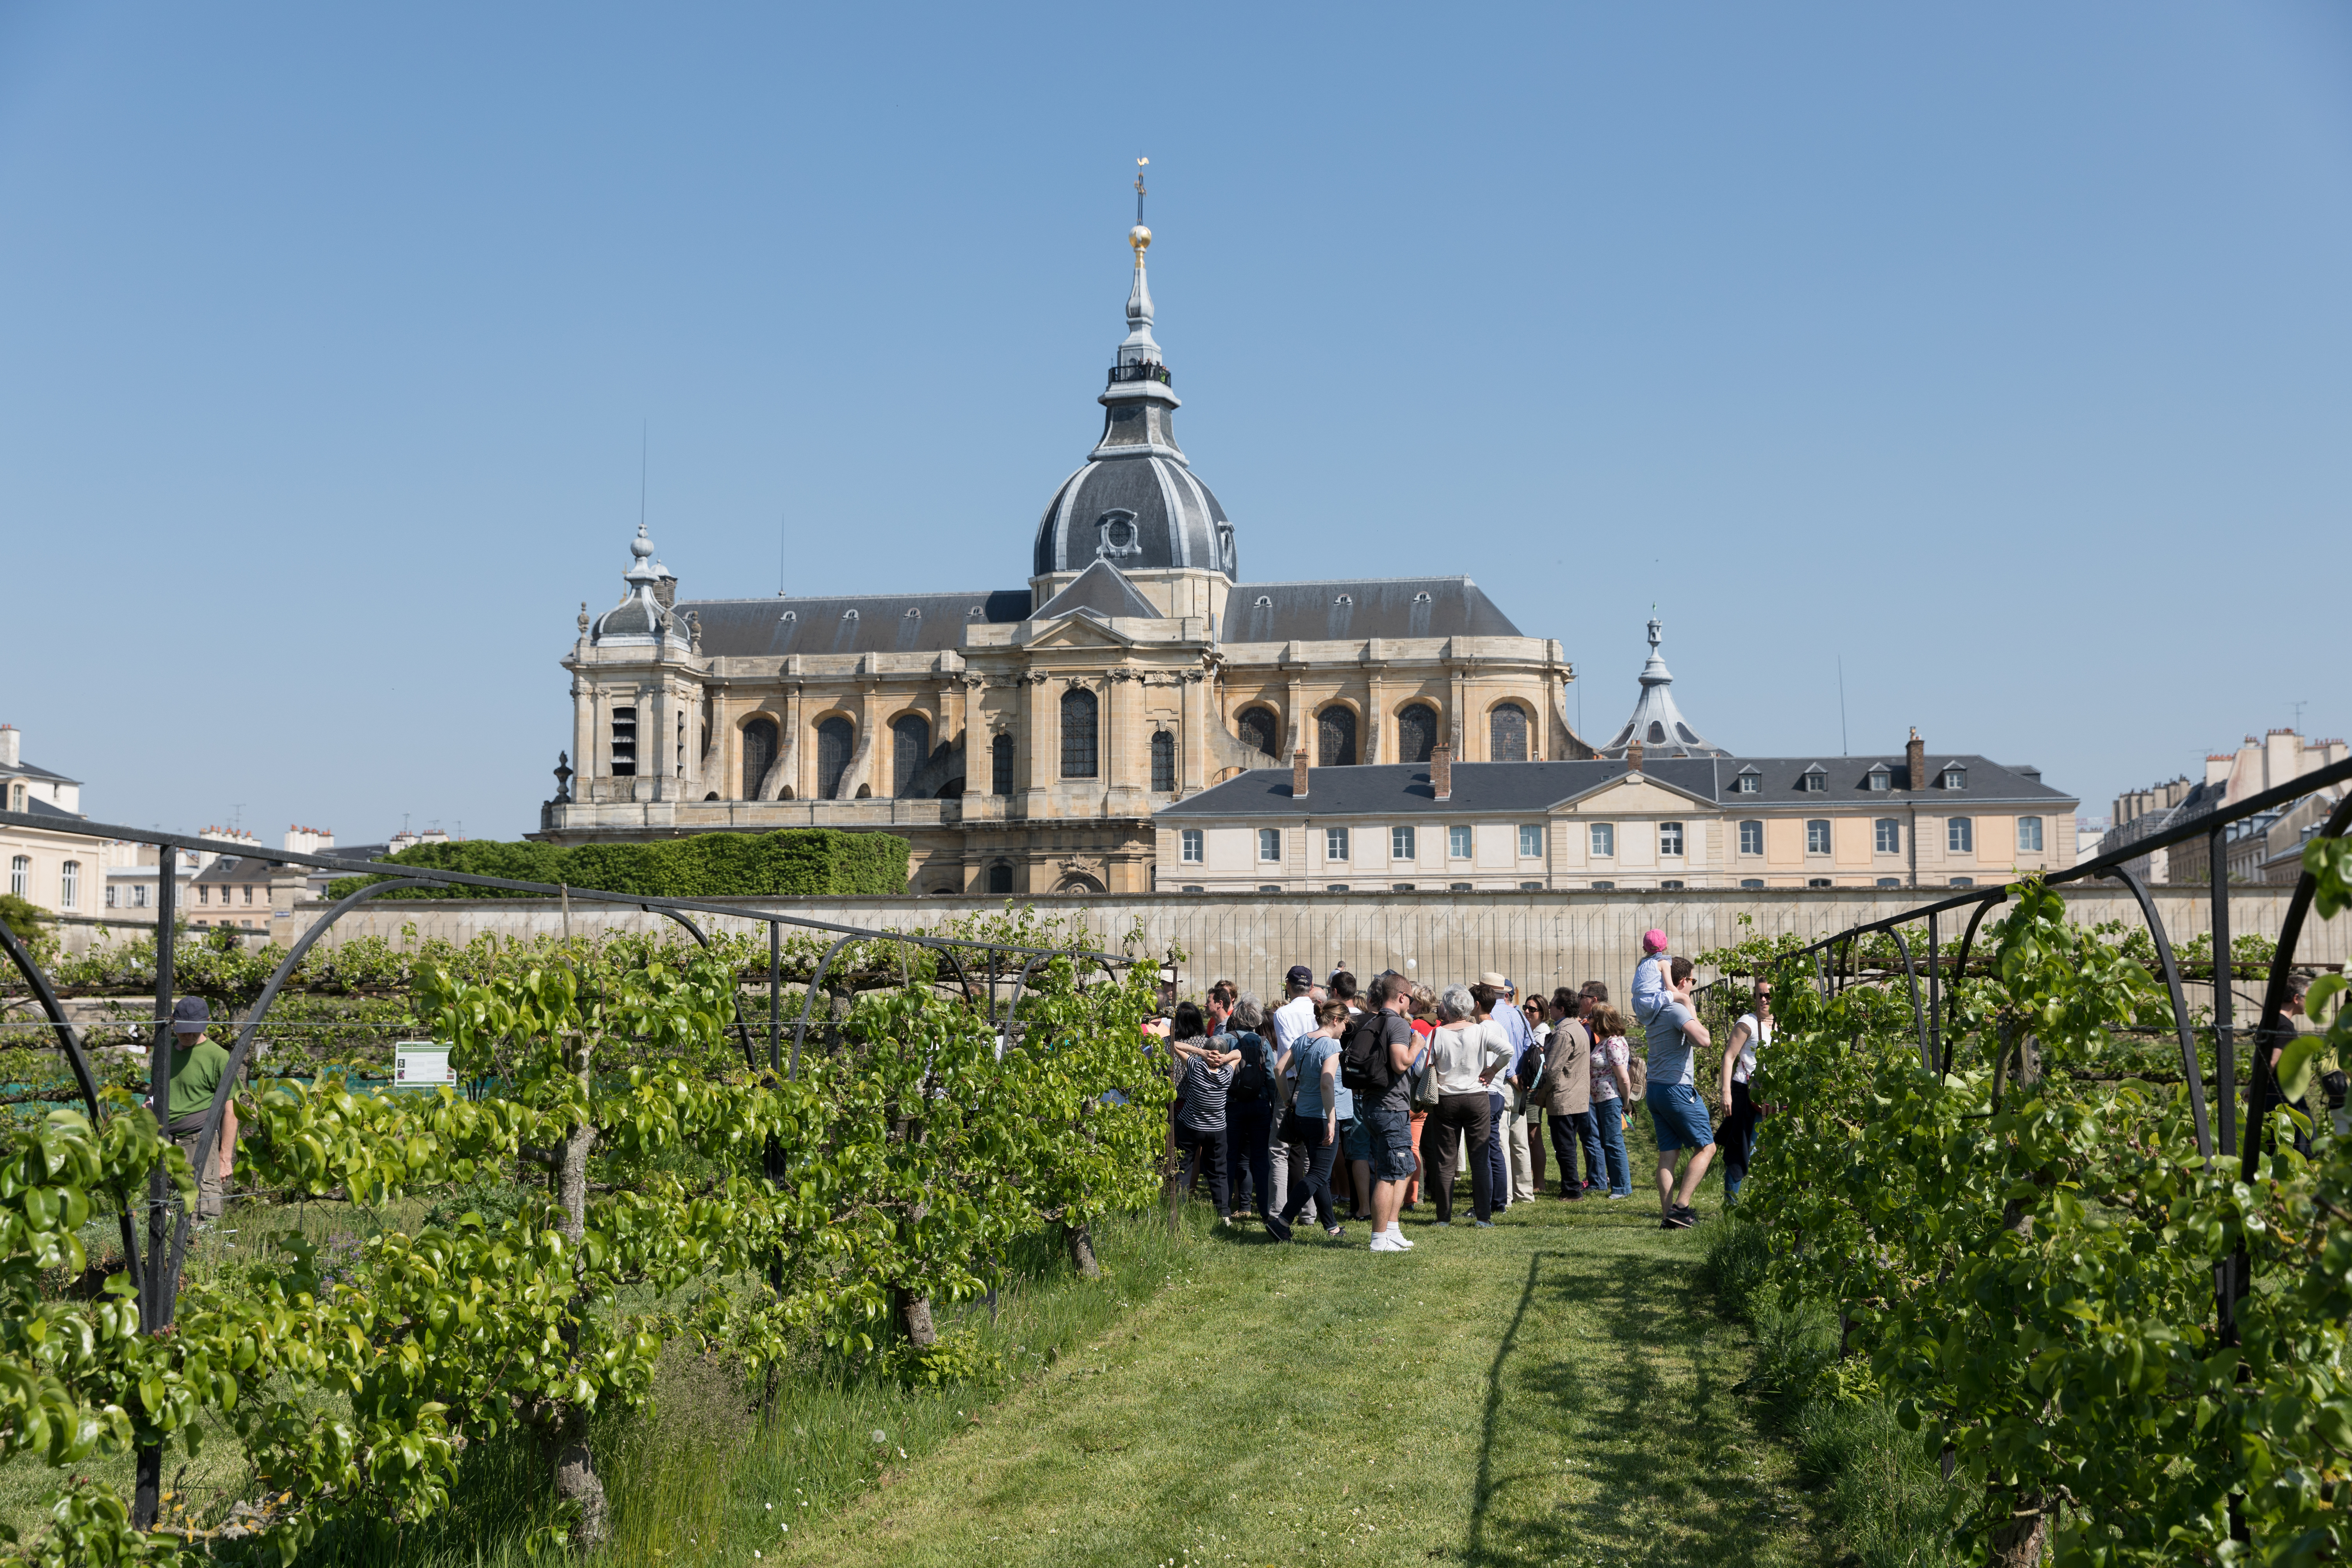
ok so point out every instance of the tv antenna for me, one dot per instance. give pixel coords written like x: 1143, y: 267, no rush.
x: 2298, y: 707
x: 1843, y: 749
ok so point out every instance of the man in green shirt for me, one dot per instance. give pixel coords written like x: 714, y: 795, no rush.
x: 197, y: 1065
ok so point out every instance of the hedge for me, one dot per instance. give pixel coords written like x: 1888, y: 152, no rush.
x: 796, y: 862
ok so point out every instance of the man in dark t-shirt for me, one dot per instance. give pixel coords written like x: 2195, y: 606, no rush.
x: 1390, y: 1116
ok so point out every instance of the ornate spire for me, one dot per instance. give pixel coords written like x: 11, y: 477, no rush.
x: 1658, y: 728
x: 1138, y: 347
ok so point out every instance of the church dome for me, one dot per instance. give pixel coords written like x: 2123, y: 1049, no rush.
x: 1137, y: 511
x: 1136, y: 504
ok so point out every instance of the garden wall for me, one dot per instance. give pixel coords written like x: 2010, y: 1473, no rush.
x: 1537, y: 937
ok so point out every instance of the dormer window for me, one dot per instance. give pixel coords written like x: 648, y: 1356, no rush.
x: 1265, y: 602
x: 973, y: 614
x: 790, y: 615
x: 849, y: 614
x: 1878, y: 778
x: 1956, y: 778
x: 1813, y: 781
x: 913, y: 614
x: 1749, y: 782
x: 1345, y: 599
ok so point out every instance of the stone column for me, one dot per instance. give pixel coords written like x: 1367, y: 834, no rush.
x: 1039, y: 736
x: 1192, y: 733
x: 1376, y: 707
x: 583, y: 735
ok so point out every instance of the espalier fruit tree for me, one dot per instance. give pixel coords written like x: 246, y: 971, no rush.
x: 671, y: 1189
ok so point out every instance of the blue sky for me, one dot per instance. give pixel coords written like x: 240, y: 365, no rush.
x: 2004, y: 350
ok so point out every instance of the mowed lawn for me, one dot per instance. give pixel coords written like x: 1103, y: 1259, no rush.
x: 1557, y: 1389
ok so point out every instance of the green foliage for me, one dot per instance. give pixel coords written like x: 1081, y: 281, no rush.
x: 798, y: 862
x: 21, y: 915
x: 2024, y: 1255
x: 688, y: 1198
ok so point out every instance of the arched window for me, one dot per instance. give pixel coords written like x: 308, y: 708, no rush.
x: 1000, y: 769
x: 1163, y: 762
x: 835, y: 738
x: 1079, y: 711
x: 910, y: 748
x: 1335, y: 737
x: 1657, y: 735
x: 1259, y: 729
x: 1416, y: 732
x: 1506, y: 734
x: 759, y: 754
x: 1000, y: 877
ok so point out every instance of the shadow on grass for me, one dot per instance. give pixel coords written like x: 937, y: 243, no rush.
x: 1646, y: 1418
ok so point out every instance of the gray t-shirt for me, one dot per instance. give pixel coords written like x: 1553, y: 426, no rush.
x: 1670, y: 1048
x: 1396, y: 1031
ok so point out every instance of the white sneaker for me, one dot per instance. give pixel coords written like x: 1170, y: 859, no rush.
x: 1396, y: 1232
x: 1384, y: 1242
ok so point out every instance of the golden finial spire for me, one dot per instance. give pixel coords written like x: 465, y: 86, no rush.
x: 1139, y: 237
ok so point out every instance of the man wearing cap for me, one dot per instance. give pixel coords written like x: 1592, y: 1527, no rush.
x: 197, y: 1066
x: 1291, y: 1021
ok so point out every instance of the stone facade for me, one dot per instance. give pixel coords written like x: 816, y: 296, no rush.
x: 1022, y: 739
x: 1904, y: 820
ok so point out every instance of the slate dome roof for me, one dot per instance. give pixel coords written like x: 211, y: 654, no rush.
x: 1138, y: 512
x: 1136, y: 504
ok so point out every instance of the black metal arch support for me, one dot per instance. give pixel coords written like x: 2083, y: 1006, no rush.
x: 742, y: 1030
x: 2189, y: 1065
x: 227, y: 1089
x: 2260, y: 1081
x: 1960, y: 969
x: 808, y: 1003
x: 70, y: 1038
x: 1918, y: 1015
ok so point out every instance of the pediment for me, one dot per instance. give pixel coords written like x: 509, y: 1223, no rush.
x: 1078, y: 630
x: 1635, y: 795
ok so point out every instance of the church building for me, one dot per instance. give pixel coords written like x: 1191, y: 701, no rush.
x: 1022, y: 739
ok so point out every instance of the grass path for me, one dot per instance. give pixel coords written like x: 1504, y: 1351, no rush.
x: 1554, y: 1390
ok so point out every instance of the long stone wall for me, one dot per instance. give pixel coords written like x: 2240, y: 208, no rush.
x: 1538, y: 939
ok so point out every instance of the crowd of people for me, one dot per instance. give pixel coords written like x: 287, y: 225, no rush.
x: 1349, y: 1103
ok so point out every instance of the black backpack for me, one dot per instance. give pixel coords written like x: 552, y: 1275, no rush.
x: 1253, y: 1083
x: 1364, y: 1056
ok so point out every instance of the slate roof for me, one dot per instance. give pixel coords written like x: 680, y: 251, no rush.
x: 27, y: 771
x: 36, y: 806
x: 1393, y: 788
x: 1339, y: 609
x: 1175, y: 519
x: 787, y: 625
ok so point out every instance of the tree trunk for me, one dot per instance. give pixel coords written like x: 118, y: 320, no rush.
x: 1082, y: 1251
x: 566, y: 1438
x: 914, y: 1317
x: 566, y: 1424
x: 2017, y: 1543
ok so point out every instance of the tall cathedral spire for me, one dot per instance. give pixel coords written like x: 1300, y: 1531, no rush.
x: 1136, y: 502
x: 1138, y: 347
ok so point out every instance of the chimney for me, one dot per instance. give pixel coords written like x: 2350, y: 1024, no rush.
x: 9, y: 738
x: 1915, y: 759
x: 1299, y: 774
x: 1634, y: 758
x: 1441, y: 771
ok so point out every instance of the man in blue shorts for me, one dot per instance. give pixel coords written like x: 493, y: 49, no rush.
x: 1675, y: 1110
